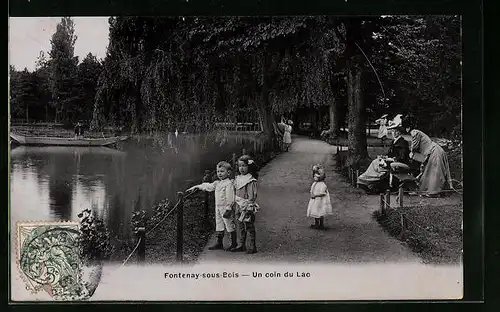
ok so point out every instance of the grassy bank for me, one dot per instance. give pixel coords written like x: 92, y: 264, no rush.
x: 431, y: 226
x: 434, y: 232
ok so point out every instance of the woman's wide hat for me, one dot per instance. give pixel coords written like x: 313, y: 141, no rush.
x: 396, y: 122
x: 396, y: 127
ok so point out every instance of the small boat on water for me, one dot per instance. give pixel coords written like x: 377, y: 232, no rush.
x: 22, y: 150
x: 56, y: 141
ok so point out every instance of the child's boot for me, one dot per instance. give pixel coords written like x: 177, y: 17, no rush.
x: 321, y: 224
x: 316, y: 224
x: 233, y: 241
x: 241, y: 244
x: 251, y: 236
x: 218, y: 244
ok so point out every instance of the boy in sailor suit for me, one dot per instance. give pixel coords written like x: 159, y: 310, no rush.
x: 224, y: 200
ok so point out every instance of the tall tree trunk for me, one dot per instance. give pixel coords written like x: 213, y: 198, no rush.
x: 356, y: 116
x: 270, y: 128
x: 334, y: 119
x: 319, y: 117
x: 356, y: 137
x: 138, y: 107
x: 331, y: 112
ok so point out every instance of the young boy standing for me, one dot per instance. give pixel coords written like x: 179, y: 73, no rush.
x: 224, y: 200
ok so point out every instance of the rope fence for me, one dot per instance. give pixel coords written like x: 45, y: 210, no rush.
x: 142, y: 234
x: 133, y: 251
x: 352, y: 175
x: 404, y: 221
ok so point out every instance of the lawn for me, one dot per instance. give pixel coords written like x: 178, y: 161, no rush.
x: 432, y: 226
x: 432, y: 231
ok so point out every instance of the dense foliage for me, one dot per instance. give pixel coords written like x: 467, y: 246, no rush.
x: 187, y: 73
x: 94, y: 239
x: 59, y: 89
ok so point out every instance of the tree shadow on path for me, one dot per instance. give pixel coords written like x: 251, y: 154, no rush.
x: 283, y: 232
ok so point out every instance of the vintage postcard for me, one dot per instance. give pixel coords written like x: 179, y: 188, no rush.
x: 236, y: 158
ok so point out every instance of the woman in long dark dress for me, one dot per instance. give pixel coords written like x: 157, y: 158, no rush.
x: 435, y: 174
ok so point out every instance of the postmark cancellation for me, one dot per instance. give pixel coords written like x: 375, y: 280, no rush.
x: 48, y: 259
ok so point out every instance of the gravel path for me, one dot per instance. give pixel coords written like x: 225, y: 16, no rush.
x: 370, y: 264
x: 283, y: 232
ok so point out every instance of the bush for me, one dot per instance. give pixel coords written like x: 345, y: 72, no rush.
x: 94, y: 239
x: 432, y: 231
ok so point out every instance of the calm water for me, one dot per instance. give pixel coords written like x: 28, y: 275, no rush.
x: 57, y: 183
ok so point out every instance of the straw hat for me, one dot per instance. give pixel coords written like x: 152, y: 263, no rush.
x: 397, y: 122
x: 396, y: 127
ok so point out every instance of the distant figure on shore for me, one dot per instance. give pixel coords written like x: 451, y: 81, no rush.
x: 224, y: 199
x: 78, y: 130
x: 382, y: 129
x: 287, y: 133
x: 319, y: 204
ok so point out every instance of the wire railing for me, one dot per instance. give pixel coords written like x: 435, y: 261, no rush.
x: 133, y: 251
x: 403, y: 222
x: 142, y: 233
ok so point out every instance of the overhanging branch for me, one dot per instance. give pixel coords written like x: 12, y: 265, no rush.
x: 373, y: 68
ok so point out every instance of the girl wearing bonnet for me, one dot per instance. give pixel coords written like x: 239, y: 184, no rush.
x: 246, y: 193
x: 319, y: 204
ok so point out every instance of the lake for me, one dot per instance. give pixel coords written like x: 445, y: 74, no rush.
x: 57, y: 183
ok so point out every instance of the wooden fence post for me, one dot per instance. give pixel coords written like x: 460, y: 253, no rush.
x: 243, y: 151
x: 403, y: 224
x: 356, y: 180
x: 382, y: 204
x: 141, y: 249
x: 234, y: 163
x: 387, y: 199
x: 180, y: 226
x: 206, y: 179
x: 400, y: 195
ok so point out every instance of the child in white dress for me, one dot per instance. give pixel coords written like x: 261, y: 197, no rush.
x: 382, y: 130
x: 319, y: 204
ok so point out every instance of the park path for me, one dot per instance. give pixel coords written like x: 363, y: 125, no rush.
x: 283, y: 232
x: 353, y: 260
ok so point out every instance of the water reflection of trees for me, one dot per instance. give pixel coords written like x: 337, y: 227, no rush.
x: 62, y: 170
x: 149, y: 170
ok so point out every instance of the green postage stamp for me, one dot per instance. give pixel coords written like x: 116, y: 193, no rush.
x: 48, y: 259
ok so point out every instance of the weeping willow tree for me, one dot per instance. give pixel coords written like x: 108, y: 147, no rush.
x: 152, y: 79
x: 176, y: 73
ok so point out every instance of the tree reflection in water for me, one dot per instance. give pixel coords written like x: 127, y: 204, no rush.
x: 144, y: 171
